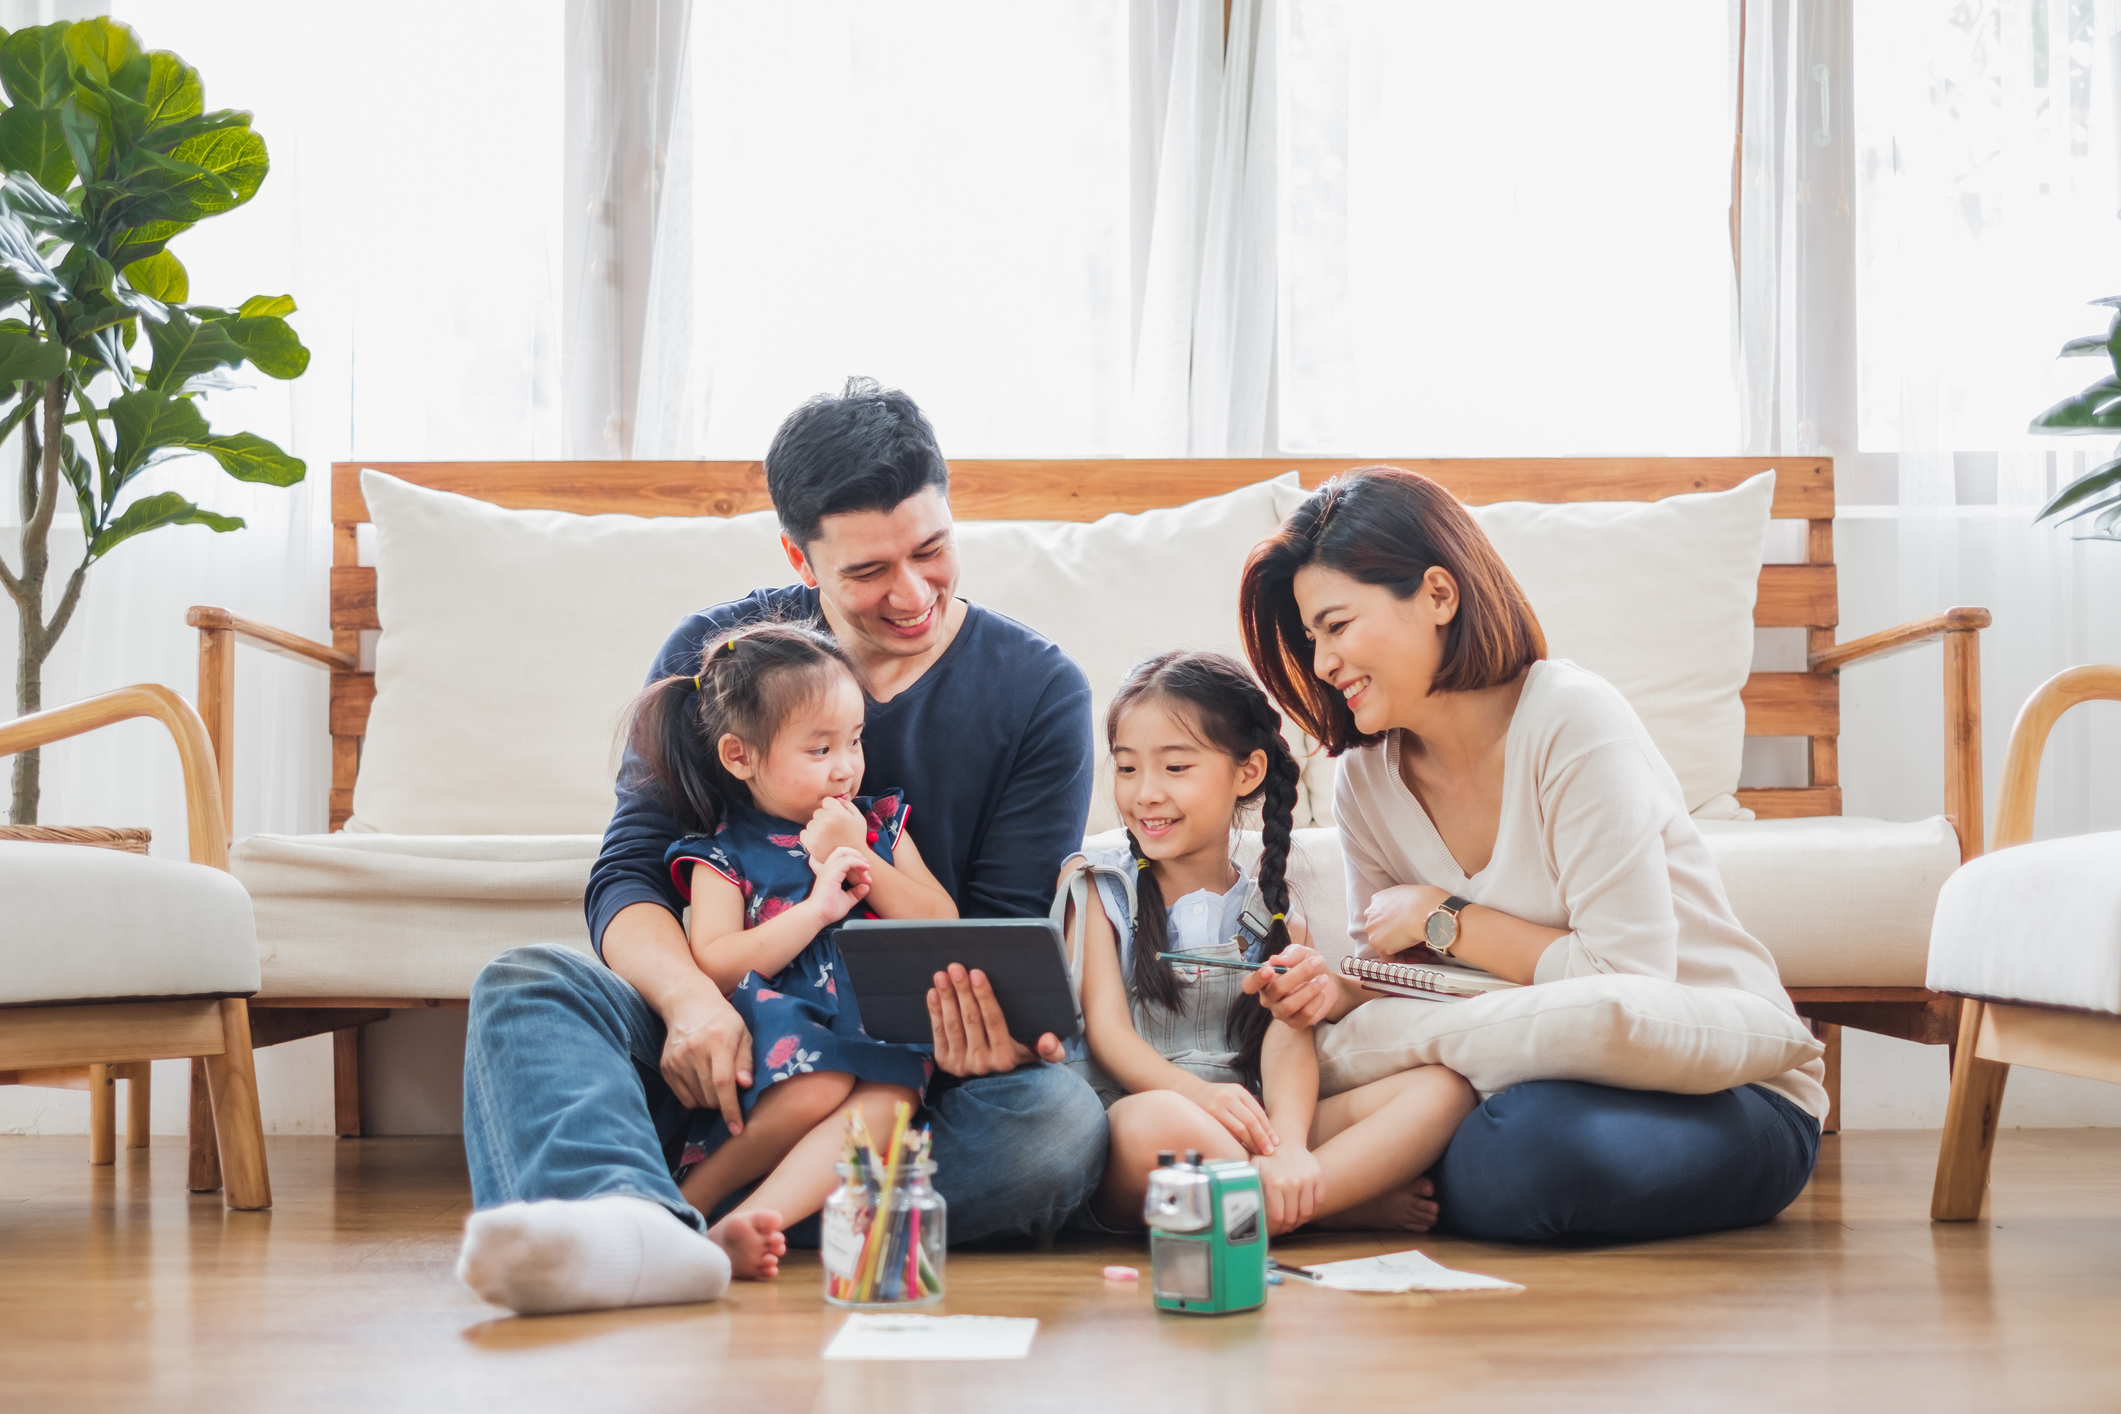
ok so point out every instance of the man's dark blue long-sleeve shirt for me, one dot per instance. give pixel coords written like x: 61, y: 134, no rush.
x: 992, y: 746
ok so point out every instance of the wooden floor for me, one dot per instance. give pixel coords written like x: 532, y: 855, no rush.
x: 120, y: 1291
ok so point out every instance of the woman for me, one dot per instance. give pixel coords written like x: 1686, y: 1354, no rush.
x: 1512, y: 810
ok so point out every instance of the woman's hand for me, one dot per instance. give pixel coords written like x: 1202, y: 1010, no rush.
x: 1295, y: 1187
x: 842, y: 882
x: 1301, y: 997
x: 1238, y: 1110
x: 1396, y: 918
x: 833, y: 825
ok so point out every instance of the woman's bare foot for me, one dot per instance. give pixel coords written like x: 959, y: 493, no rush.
x: 1409, y: 1209
x: 754, y: 1242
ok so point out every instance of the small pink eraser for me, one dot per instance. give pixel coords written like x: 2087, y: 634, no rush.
x: 1122, y: 1274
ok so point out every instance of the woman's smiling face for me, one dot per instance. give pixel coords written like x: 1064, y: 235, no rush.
x: 1380, y: 652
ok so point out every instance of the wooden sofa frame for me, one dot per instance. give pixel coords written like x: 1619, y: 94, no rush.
x: 1778, y: 704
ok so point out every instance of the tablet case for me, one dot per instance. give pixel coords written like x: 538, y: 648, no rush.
x: 892, y: 963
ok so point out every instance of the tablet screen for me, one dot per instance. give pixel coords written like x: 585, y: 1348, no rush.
x: 892, y: 963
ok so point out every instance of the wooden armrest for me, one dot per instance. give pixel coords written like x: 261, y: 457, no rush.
x: 1895, y: 640
x: 272, y: 640
x: 202, y: 782
x: 2096, y: 682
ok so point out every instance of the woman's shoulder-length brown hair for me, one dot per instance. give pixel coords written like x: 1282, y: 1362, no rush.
x: 1381, y: 525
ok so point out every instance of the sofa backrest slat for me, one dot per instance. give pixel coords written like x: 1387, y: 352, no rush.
x: 1777, y: 704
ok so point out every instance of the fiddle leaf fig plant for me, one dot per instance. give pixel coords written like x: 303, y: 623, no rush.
x: 108, y: 153
x: 2094, y: 412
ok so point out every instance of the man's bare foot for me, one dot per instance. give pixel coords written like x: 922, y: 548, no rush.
x: 754, y: 1242
x: 1409, y: 1209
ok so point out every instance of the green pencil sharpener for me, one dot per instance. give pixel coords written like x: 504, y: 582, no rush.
x: 1207, y: 1235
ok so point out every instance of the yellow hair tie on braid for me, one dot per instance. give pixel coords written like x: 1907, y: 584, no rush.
x: 1140, y: 864
x: 1279, y: 917
x: 695, y: 682
x: 730, y: 646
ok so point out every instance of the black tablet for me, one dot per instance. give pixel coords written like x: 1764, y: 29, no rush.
x: 892, y: 963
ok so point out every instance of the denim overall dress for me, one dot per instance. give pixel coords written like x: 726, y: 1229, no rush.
x: 1194, y: 1037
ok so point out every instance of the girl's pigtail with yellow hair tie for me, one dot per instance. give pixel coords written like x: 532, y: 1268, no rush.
x: 695, y: 682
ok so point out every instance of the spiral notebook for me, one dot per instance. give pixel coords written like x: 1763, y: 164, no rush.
x: 1431, y: 982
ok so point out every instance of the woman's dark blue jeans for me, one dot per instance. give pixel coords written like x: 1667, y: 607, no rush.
x: 1568, y: 1160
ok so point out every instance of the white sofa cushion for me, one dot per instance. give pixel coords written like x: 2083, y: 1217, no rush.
x: 1841, y: 901
x: 354, y: 915
x: 1635, y: 1033
x: 2037, y: 923
x: 513, y: 640
x: 83, y: 924
x: 1656, y: 597
x: 512, y: 643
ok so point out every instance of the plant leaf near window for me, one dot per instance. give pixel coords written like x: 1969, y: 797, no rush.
x: 109, y: 154
x: 2094, y: 412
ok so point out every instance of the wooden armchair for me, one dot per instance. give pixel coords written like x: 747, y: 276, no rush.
x: 203, y: 945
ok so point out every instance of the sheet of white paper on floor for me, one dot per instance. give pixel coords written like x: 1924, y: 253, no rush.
x: 915, y: 1337
x: 1402, y: 1271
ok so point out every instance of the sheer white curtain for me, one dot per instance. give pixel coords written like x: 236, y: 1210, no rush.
x: 1505, y: 228
x: 1205, y: 223
x: 934, y: 195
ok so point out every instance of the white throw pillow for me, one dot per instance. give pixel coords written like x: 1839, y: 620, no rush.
x: 1117, y: 590
x: 1630, y: 1032
x: 513, y: 642
x: 1656, y: 597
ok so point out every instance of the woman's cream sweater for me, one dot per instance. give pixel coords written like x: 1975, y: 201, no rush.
x: 1595, y: 838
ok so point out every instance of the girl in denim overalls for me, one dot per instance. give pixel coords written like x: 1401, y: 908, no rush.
x: 1182, y: 1055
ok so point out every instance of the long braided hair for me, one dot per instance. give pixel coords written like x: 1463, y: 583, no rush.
x: 1226, y: 710
x: 748, y: 683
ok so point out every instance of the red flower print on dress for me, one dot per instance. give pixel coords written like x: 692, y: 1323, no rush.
x: 770, y: 907
x: 783, y: 1051
x: 767, y: 994
x: 785, y: 841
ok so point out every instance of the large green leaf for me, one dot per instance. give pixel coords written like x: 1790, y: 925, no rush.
x: 2103, y: 478
x: 185, y: 346
x: 148, y: 422
x: 236, y: 155
x: 166, y: 139
x: 259, y: 305
x: 149, y: 187
x: 31, y: 143
x: 33, y: 65
x: 248, y: 457
x: 25, y: 357
x: 144, y: 241
x: 271, y: 345
x: 2096, y: 410
x: 161, y: 276
x: 174, y: 92
x: 105, y: 52
x: 21, y: 260
x: 152, y: 513
x: 39, y: 208
x: 84, y: 140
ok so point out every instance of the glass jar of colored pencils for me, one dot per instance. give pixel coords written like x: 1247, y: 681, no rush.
x: 883, y: 1230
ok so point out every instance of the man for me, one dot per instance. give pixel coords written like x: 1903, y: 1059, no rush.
x: 578, y: 1073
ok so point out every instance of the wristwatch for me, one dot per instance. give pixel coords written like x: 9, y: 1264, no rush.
x: 1440, y: 929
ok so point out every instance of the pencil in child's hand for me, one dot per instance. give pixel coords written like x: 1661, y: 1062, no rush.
x: 1226, y: 964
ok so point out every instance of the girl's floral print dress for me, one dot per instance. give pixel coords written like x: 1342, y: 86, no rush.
x: 804, y: 1018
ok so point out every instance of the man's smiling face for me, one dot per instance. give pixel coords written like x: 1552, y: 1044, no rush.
x: 887, y: 576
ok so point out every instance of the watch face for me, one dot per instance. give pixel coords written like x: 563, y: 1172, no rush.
x: 1441, y: 929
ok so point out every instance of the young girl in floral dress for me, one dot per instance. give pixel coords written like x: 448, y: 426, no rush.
x: 758, y: 756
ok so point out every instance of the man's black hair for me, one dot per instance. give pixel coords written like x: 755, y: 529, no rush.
x: 866, y: 448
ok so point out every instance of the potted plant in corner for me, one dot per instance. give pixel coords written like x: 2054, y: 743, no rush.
x: 2093, y: 412
x: 109, y: 154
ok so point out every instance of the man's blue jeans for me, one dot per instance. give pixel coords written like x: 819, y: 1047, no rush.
x: 1568, y: 1160
x: 564, y: 1098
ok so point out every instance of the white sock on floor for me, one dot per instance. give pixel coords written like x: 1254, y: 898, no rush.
x: 588, y: 1254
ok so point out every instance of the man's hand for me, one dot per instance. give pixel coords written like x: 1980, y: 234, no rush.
x: 1295, y: 1187
x: 971, y: 1035
x: 1395, y: 916
x: 1301, y: 997
x: 707, y: 1053
x: 1238, y: 1110
x: 834, y: 825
